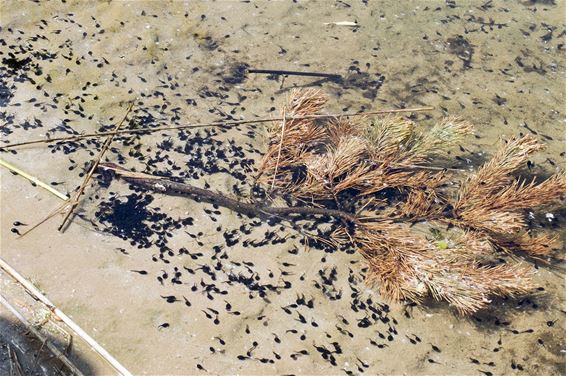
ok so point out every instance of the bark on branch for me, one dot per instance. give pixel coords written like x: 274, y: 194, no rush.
x: 164, y: 185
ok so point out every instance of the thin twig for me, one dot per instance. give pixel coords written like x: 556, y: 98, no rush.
x: 225, y: 124
x: 14, y: 361
x: 280, y: 147
x: 295, y: 73
x: 93, y: 167
x: 30, y: 288
x: 69, y: 345
x: 33, y: 179
x: 36, y: 360
x: 59, y: 210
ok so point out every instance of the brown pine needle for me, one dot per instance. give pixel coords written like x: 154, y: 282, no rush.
x: 212, y: 124
x: 385, y: 200
x: 350, y: 161
x: 93, y: 168
x: 433, y: 168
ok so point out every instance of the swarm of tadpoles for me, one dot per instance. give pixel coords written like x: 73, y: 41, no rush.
x: 377, y: 170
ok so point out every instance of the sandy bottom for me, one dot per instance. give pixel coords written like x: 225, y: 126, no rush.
x: 171, y: 286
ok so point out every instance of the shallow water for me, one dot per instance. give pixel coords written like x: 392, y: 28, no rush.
x: 76, y: 65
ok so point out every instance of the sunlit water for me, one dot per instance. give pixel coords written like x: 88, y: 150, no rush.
x: 74, y: 67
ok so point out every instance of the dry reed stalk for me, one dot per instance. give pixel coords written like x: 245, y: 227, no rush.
x: 33, y: 179
x: 94, y: 165
x: 225, y: 124
x: 60, y: 209
x: 33, y: 291
x: 15, y: 365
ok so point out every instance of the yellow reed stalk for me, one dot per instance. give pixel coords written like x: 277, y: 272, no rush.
x: 33, y: 179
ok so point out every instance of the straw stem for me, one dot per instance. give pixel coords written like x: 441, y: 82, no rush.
x: 33, y: 179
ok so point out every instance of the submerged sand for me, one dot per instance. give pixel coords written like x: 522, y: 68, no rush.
x: 499, y: 64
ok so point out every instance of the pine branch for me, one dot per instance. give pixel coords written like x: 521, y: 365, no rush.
x: 163, y: 185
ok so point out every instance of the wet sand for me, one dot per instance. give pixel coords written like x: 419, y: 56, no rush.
x: 498, y: 64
